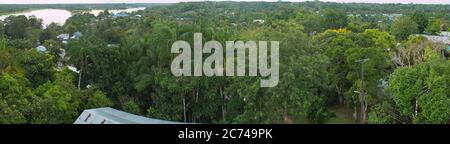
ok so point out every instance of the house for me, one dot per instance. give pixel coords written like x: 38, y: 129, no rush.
x: 439, y: 39
x: 62, y: 53
x: 72, y: 68
x: 113, y: 45
x: 259, y: 21
x: 109, y: 115
x: 63, y: 37
x: 392, y: 16
x: 41, y: 48
x: 445, y: 33
x: 182, y: 19
x: 120, y: 14
x: 76, y: 35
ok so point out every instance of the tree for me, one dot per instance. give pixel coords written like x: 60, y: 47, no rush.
x: 421, y: 20
x: 405, y: 87
x: 131, y: 107
x: 367, y: 67
x: 334, y: 19
x: 38, y: 66
x: 35, y: 23
x: 311, y: 21
x: 334, y: 44
x: 420, y: 92
x: 10, y: 114
x: 16, y: 26
x: 379, y: 39
x: 403, y: 27
x: 53, y: 104
x: 50, y: 32
x: 15, y: 99
x: 79, y: 52
x: 435, y: 102
x: 444, y: 27
x: 413, y: 51
x: 435, y: 27
x: 382, y: 113
x: 78, y: 22
x: 98, y: 100
x: 54, y: 48
x: 304, y: 102
x: 5, y: 54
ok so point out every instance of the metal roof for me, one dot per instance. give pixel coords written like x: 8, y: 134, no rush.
x: 438, y: 39
x: 63, y: 36
x: 41, y: 48
x: 109, y: 115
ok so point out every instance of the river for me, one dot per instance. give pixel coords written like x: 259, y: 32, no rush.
x: 60, y: 16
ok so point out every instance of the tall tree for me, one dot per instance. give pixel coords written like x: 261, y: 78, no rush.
x: 16, y: 26
x: 421, y: 20
x: 403, y: 27
x: 334, y: 19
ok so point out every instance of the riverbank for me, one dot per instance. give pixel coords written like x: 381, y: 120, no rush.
x: 10, y: 11
x: 59, y: 16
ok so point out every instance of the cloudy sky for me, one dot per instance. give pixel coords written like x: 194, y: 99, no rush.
x: 175, y: 1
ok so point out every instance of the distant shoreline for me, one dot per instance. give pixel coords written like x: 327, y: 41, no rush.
x: 18, y: 11
x: 10, y: 9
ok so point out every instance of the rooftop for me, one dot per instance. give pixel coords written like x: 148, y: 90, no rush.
x: 41, y: 48
x: 438, y: 39
x: 109, y: 115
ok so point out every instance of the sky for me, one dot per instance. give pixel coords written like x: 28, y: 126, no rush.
x: 176, y: 1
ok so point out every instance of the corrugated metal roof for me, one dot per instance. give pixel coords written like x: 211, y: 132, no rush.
x: 438, y: 39
x: 445, y: 33
x: 109, y: 115
x: 41, y: 48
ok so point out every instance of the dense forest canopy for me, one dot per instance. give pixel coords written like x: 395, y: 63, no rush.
x: 339, y: 63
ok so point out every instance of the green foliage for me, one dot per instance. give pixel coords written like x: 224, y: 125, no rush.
x: 421, y: 92
x: 16, y: 26
x: 373, y: 68
x: 14, y: 99
x: 434, y: 27
x: 124, y: 63
x: 436, y: 101
x: 131, y: 107
x: 10, y: 114
x: 53, y: 105
x: 335, y: 19
x: 38, y: 67
x: 98, y: 100
x: 382, y: 114
x: 421, y: 20
x: 380, y: 39
x: 405, y: 86
x: 417, y: 49
x: 312, y: 21
x: 50, y: 32
x: 403, y: 27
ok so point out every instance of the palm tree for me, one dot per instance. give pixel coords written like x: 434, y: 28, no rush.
x: 78, y: 53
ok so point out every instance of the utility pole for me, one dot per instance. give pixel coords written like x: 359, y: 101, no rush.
x: 184, y: 109
x: 184, y: 101
x: 362, y: 93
